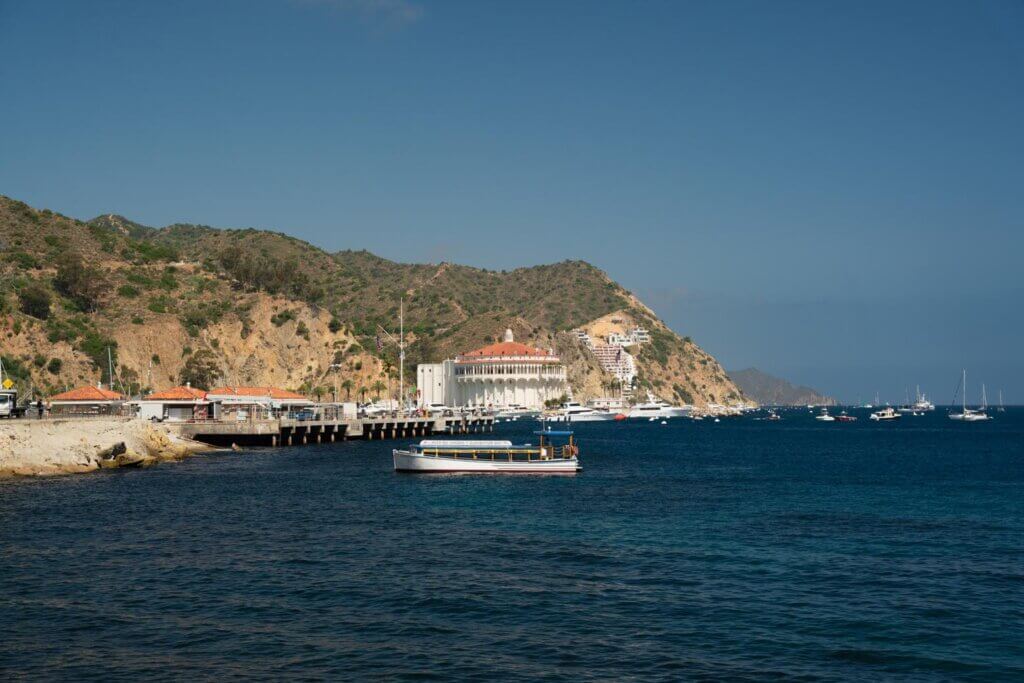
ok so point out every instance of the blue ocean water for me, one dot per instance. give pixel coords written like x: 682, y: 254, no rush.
x: 743, y: 550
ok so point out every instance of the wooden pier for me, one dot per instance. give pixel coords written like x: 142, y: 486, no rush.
x: 294, y: 432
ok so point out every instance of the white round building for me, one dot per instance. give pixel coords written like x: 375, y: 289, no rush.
x: 495, y: 376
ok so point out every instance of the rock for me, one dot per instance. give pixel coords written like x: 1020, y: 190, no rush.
x: 112, y: 452
x: 130, y: 459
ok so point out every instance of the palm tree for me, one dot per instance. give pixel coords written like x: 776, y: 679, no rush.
x: 362, y: 392
x: 378, y: 387
x: 347, y: 385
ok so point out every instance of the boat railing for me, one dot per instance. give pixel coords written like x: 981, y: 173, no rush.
x: 494, y: 454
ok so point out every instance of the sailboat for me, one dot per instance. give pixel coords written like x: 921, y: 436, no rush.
x: 920, y: 406
x: 1001, y: 408
x: 966, y: 414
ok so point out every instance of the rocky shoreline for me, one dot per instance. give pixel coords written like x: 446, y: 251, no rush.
x: 71, y: 446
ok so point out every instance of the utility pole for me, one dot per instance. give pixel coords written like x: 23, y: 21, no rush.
x: 401, y: 352
x: 400, y: 342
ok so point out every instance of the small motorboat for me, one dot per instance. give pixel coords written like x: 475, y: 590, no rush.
x: 449, y: 455
x: 824, y: 416
x: 886, y: 414
x: 845, y: 417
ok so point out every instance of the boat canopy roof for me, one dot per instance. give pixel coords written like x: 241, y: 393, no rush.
x: 453, y: 443
x: 553, y: 433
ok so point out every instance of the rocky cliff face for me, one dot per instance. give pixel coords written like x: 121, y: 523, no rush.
x: 263, y: 308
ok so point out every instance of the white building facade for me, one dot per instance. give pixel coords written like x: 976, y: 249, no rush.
x: 495, y: 376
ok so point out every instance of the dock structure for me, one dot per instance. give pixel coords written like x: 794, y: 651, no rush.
x: 285, y: 431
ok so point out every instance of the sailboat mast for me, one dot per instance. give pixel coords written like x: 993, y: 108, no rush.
x: 963, y: 381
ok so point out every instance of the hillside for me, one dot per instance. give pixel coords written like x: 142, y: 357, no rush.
x: 255, y: 306
x: 768, y: 390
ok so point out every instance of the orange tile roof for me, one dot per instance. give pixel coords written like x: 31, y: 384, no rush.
x: 89, y: 393
x: 506, y: 348
x: 178, y: 394
x: 266, y: 392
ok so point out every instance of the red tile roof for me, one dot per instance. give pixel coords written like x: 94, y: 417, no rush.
x: 178, y: 394
x: 89, y: 393
x: 506, y: 348
x: 266, y: 392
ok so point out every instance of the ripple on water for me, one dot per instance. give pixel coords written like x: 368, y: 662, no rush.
x: 742, y: 551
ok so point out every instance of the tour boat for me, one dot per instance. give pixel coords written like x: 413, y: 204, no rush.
x: 439, y: 455
x: 967, y: 414
x: 889, y: 413
x: 824, y: 416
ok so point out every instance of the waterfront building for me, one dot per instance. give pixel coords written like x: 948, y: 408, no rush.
x: 245, y: 402
x: 496, y: 376
x: 180, y: 404
x: 88, y: 400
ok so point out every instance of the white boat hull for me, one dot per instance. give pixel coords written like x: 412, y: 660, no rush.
x: 660, y: 413
x: 583, y: 417
x: 969, y: 417
x: 407, y: 461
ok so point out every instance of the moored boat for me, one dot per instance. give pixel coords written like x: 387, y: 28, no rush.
x: 889, y: 413
x: 845, y: 417
x: 655, y: 407
x: 969, y: 414
x: 492, y: 456
x: 824, y: 416
x: 574, y: 412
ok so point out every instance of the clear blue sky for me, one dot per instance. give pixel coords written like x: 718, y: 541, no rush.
x: 833, y: 192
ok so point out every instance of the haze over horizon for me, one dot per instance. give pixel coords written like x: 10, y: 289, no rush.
x: 828, y: 193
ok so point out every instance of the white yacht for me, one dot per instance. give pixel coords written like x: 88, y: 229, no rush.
x: 514, y: 411
x: 968, y: 414
x: 824, y: 416
x: 919, y: 406
x: 574, y: 412
x: 655, y: 407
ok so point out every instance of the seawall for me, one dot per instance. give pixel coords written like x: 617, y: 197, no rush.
x: 66, y: 446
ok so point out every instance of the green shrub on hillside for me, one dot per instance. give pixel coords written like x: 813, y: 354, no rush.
x: 160, y: 304
x: 263, y: 272
x: 23, y: 260
x: 281, y: 318
x: 34, y: 300
x: 82, y: 284
x: 201, y: 370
